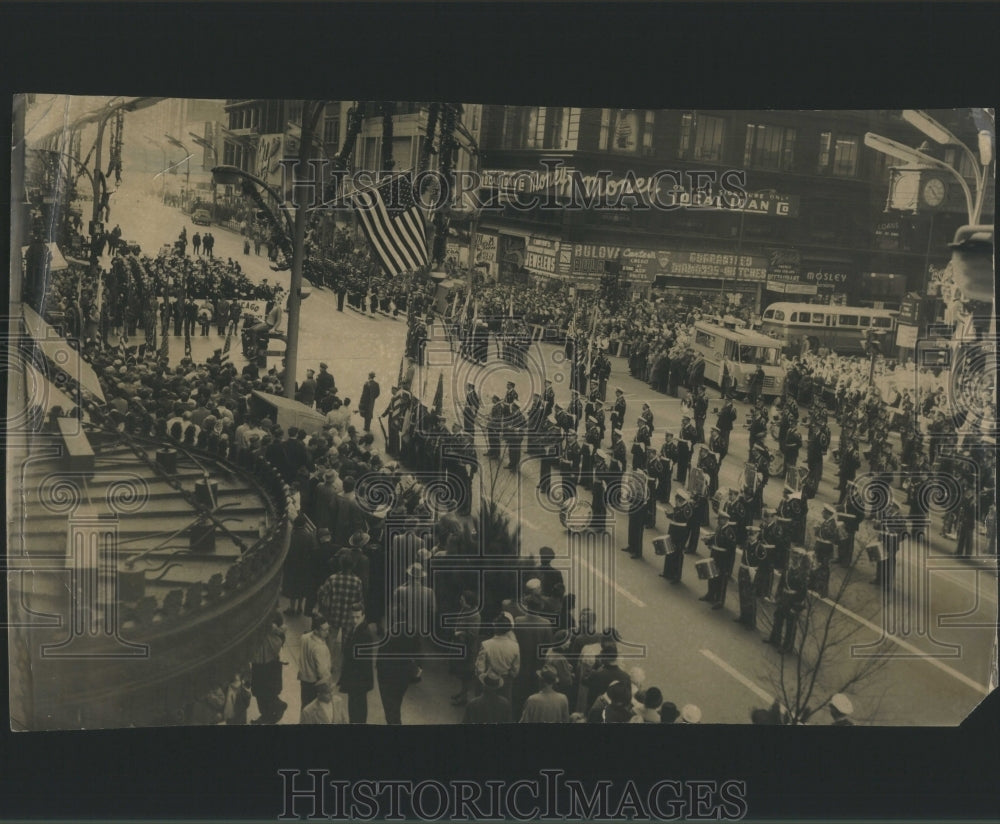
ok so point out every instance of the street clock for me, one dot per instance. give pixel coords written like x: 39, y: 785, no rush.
x: 932, y: 191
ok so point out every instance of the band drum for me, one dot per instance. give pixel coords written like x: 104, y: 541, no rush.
x: 664, y: 546
x: 876, y: 552
x: 576, y: 515
x: 707, y: 569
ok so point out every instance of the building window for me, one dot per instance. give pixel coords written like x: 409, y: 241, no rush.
x: 838, y: 155
x: 701, y: 137
x: 331, y: 130
x: 555, y: 127
x: 769, y: 147
x: 627, y: 130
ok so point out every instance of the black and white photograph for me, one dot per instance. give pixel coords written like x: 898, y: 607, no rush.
x: 435, y: 413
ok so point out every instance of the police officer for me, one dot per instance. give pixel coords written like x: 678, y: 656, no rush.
x: 619, y: 456
x: 569, y: 465
x: 511, y: 396
x: 722, y: 545
x: 550, y: 448
x: 575, y: 409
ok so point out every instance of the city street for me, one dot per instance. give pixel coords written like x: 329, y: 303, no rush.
x: 937, y: 665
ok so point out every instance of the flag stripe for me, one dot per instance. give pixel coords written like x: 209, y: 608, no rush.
x: 398, y: 236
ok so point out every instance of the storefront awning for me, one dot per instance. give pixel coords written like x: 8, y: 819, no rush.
x: 58, y: 262
x: 63, y: 356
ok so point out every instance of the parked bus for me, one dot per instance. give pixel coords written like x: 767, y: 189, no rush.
x: 841, y: 329
x: 739, y: 350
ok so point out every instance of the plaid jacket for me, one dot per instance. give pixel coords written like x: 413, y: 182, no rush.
x: 336, y: 596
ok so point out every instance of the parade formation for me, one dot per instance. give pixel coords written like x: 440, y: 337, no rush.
x: 516, y: 500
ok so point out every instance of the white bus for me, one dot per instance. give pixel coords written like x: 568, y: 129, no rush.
x: 841, y: 329
x: 739, y: 350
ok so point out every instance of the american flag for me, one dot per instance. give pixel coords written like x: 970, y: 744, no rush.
x: 394, y: 224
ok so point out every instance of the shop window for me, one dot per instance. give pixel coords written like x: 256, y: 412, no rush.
x: 701, y: 137
x: 769, y: 147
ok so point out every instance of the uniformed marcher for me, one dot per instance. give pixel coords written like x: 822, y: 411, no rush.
x: 840, y: 710
x: 513, y: 432
x: 511, y: 396
x: 789, y: 602
x: 470, y: 411
x: 723, y: 551
x: 699, y: 408
x: 774, y: 547
x: 668, y: 452
x: 829, y: 535
x: 637, y: 516
x: 683, y: 460
x: 618, y: 410
x: 678, y: 530
x: 724, y: 426
x: 494, y: 427
x: 619, y: 456
x: 550, y: 441
x: 569, y: 464
x: 575, y: 409
x: 459, y: 460
x: 549, y: 398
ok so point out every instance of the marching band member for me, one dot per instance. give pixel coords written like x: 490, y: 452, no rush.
x: 639, y: 446
x: 683, y: 460
x: 790, y: 600
x: 722, y: 545
x: 637, y: 516
x: 618, y: 411
x: 619, y: 456
x: 724, y: 426
x: 678, y: 531
x: 699, y: 407
x: 646, y: 417
x: 668, y: 453
x: 829, y: 535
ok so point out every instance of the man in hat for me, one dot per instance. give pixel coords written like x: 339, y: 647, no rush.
x: 548, y: 398
x: 325, y: 384
x: 690, y: 714
x: 722, y: 545
x: 789, y: 602
x: 326, y: 708
x: 307, y: 389
x: 412, y: 605
x: 790, y: 446
x: 685, y: 446
x: 840, y: 710
x: 511, y: 396
x: 546, y: 706
x: 491, y: 707
x: 575, y: 409
x: 494, y: 427
x: 366, y: 406
x: 699, y: 408
x: 514, y: 428
x: 618, y: 409
x: 336, y: 596
x: 470, y: 411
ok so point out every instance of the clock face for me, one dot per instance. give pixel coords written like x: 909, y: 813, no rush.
x: 933, y: 191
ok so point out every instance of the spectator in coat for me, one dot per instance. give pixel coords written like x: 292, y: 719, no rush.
x: 297, y: 578
x: 357, y: 676
x: 491, y: 707
x: 366, y: 406
x: 265, y: 673
x: 314, y: 658
x: 546, y: 706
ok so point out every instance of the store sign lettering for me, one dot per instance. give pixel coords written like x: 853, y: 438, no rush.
x: 540, y: 262
x: 826, y: 277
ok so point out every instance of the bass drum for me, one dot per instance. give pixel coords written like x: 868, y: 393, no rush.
x: 576, y: 515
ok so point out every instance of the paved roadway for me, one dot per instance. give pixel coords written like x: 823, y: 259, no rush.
x: 696, y: 655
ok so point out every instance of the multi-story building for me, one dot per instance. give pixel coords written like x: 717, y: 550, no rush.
x: 813, y: 223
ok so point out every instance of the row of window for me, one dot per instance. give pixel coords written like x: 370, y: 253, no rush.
x: 824, y: 319
x: 702, y: 137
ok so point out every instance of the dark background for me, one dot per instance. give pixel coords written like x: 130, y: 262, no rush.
x: 714, y: 55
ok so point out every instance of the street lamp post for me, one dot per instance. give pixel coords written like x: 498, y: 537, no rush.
x: 205, y: 144
x: 187, y: 173
x: 297, y: 235
x: 99, y: 183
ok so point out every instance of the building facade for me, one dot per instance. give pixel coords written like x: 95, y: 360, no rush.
x: 756, y: 206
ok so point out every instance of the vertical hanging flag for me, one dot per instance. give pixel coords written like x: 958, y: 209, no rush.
x: 224, y: 358
x: 394, y: 223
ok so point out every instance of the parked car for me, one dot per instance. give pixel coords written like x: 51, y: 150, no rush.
x: 201, y: 217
